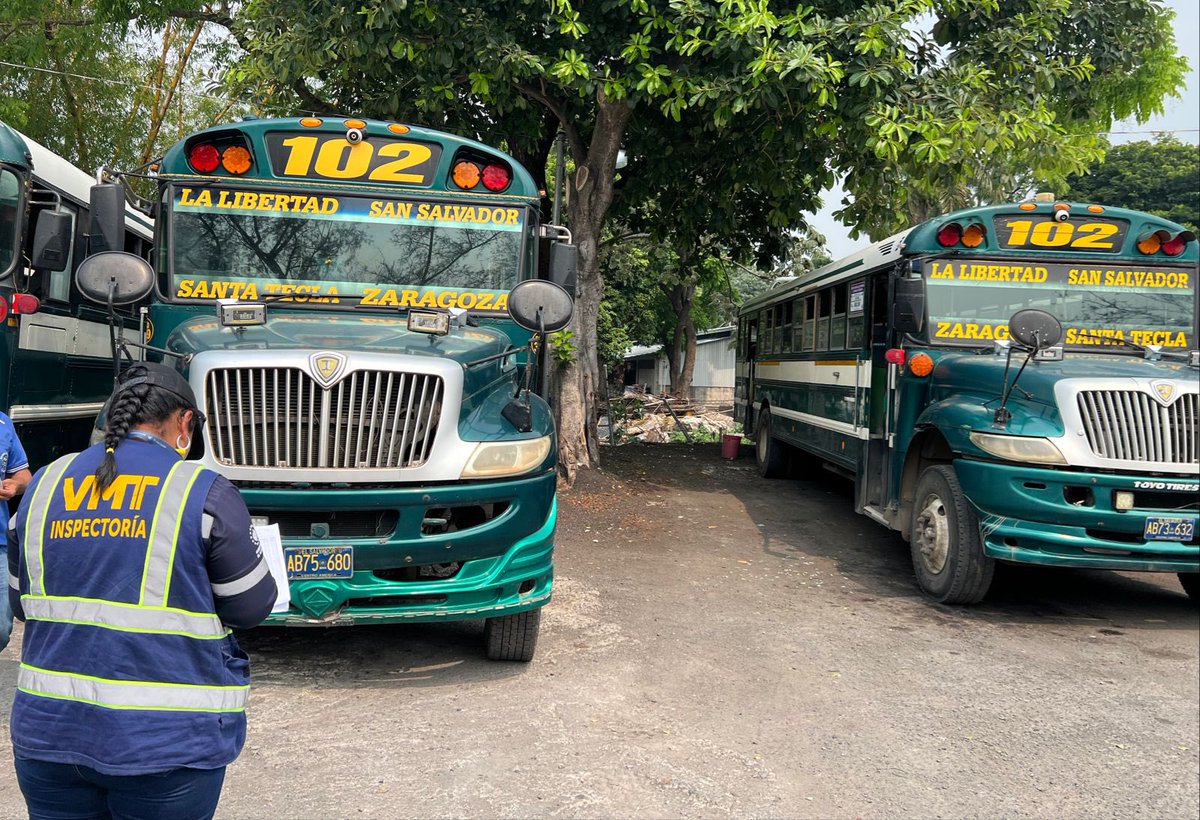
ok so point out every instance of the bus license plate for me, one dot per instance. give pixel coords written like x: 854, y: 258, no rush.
x: 319, y: 562
x: 1169, y: 528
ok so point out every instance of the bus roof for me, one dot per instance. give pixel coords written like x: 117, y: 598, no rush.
x: 863, y: 260
x: 254, y: 132
x: 922, y: 240
x: 55, y: 172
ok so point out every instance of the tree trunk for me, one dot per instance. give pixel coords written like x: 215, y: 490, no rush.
x: 591, y: 192
x: 681, y: 356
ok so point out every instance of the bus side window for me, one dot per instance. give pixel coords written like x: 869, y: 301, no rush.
x: 856, y: 318
x: 837, y: 326
x: 823, y: 305
x: 768, y: 334
x: 752, y: 339
x: 785, y: 334
x: 810, y: 323
x: 798, y: 325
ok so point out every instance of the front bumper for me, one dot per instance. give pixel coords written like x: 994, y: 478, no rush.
x: 505, y: 565
x: 1064, y: 518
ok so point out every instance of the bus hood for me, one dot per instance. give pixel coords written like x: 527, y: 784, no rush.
x: 965, y: 389
x: 984, y: 374
x: 338, y: 332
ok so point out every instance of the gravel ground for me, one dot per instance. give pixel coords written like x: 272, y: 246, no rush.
x: 721, y: 645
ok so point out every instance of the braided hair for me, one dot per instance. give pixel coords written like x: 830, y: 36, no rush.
x: 133, y: 405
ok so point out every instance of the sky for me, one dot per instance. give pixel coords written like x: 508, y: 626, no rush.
x: 1181, y: 115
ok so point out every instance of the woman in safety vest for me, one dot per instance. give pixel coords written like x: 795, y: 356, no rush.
x: 129, y: 565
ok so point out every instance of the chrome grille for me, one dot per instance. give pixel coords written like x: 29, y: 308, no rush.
x: 281, y: 417
x: 1130, y: 425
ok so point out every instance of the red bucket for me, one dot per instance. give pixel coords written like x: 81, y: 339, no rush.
x: 730, y: 444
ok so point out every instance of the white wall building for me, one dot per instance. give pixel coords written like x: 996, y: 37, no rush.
x: 712, y: 380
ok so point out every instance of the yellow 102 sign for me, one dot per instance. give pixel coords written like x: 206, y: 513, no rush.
x: 333, y: 157
x: 1105, y: 236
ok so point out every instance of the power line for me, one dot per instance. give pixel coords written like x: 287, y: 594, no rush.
x: 116, y: 82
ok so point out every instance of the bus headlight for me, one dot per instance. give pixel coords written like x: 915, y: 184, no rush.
x: 500, y: 458
x: 1030, y: 449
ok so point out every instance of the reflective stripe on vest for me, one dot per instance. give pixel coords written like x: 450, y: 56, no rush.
x: 164, y: 531
x: 150, y: 614
x: 35, y: 522
x: 116, y: 694
x: 123, y: 617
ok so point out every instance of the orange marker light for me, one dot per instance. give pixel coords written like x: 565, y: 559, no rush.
x: 310, y: 122
x: 466, y: 175
x: 1096, y: 209
x: 355, y: 124
x: 397, y: 128
x: 236, y: 159
x: 920, y: 365
x: 973, y: 235
x: 1028, y: 206
x: 1150, y: 243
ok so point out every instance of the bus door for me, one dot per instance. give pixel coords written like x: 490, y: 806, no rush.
x: 874, y: 472
x: 751, y: 365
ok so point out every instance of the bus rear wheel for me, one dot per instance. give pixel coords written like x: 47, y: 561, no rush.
x: 771, y: 454
x: 1190, y: 581
x: 947, y: 550
x: 512, y: 637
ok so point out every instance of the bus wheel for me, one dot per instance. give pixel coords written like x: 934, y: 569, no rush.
x: 512, y: 637
x: 947, y: 551
x: 1191, y: 584
x: 770, y: 453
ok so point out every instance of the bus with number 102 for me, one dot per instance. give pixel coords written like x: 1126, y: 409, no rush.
x: 1013, y: 383
x: 358, y: 306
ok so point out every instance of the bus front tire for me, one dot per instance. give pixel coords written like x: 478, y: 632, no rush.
x: 770, y: 453
x: 947, y: 551
x: 1190, y: 581
x: 512, y: 637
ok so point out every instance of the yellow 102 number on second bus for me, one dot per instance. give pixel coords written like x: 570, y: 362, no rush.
x: 331, y: 156
x: 1105, y: 236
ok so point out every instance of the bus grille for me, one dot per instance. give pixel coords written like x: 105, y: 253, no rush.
x: 1129, y: 425
x: 281, y: 417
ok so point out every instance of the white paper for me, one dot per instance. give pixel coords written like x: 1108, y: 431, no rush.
x: 272, y: 546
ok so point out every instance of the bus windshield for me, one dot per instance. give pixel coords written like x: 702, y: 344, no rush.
x: 227, y: 243
x: 971, y: 301
x: 10, y: 218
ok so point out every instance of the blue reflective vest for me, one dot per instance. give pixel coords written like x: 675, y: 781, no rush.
x: 126, y: 667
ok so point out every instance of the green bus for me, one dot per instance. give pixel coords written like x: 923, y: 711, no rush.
x: 340, y: 293
x: 55, y: 356
x: 1008, y: 383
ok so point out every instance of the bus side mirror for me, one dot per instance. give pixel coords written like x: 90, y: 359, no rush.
x: 564, y: 264
x: 51, y: 241
x: 908, y: 306
x: 107, y: 231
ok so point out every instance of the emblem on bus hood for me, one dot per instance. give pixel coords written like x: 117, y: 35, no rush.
x: 327, y: 367
x: 1165, y: 391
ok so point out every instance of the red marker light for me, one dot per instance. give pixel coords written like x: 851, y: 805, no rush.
x: 949, y: 235
x: 895, y: 355
x: 1176, y: 244
x: 3, y: 310
x: 496, y: 177
x: 204, y: 158
x: 25, y: 304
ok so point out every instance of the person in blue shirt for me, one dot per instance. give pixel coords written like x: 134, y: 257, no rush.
x: 131, y: 566
x: 14, y: 471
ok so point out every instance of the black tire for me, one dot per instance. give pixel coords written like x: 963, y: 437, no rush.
x: 947, y: 550
x: 512, y: 637
x: 771, y: 455
x: 1190, y: 581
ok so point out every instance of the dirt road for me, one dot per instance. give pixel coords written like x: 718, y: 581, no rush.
x: 720, y: 645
